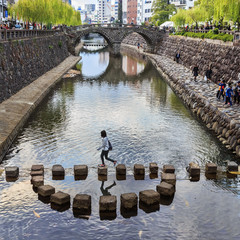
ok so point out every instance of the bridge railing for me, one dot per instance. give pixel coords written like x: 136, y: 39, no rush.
x: 10, y: 34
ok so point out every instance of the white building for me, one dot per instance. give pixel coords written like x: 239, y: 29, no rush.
x: 124, y: 11
x: 184, y: 4
x: 144, y: 11
x: 104, y: 11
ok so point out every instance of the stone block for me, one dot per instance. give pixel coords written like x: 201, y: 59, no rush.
x: 60, y: 198
x: 139, y: 169
x: 102, y: 170
x: 149, y: 197
x: 46, y: 190
x: 12, y: 172
x: 169, y: 178
x: 211, y: 168
x: 121, y: 169
x: 107, y: 203
x: 153, y: 167
x: 37, y: 181
x: 129, y: 200
x: 80, y: 170
x: 58, y: 170
x: 37, y: 173
x: 194, y: 169
x: 232, y: 167
x: 168, y: 169
x: 165, y: 189
x: 38, y: 167
x: 82, y: 201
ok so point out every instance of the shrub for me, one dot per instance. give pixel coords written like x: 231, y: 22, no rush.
x: 215, y: 31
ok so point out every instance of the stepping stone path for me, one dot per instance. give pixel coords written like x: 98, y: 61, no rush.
x: 121, y: 169
x: 139, y: 169
x: 168, y: 178
x: 107, y: 203
x: 149, y: 197
x: 102, y: 170
x: 46, y: 190
x: 194, y: 169
x: 12, y: 172
x: 165, y: 189
x: 129, y: 200
x: 80, y: 170
x: 60, y: 198
x: 168, y: 169
x: 153, y: 167
x: 211, y: 168
x: 58, y: 170
x: 232, y: 167
x: 82, y: 202
x: 37, y: 181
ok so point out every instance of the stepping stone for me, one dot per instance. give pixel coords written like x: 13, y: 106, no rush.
x: 149, y: 197
x: 211, y: 168
x: 80, y: 170
x: 139, y: 169
x: 165, y: 189
x: 46, y: 190
x: 102, y: 170
x: 169, y: 178
x: 129, y: 200
x: 12, y: 172
x: 36, y: 173
x: 60, y: 198
x: 194, y: 169
x: 58, y: 170
x: 121, y: 169
x: 168, y: 169
x: 107, y: 203
x: 39, y: 167
x: 153, y: 167
x: 82, y: 202
x: 37, y: 181
x: 232, y: 167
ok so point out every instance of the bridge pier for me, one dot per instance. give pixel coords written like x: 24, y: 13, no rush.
x: 115, y: 49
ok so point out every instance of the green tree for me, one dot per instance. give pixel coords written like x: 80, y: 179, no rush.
x: 161, y: 11
x: 179, y: 18
x: 195, y: 15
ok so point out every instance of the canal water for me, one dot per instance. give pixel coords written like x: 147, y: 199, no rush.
x: 146, y: 122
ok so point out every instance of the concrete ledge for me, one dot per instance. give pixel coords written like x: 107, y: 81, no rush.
x: 15, y: 111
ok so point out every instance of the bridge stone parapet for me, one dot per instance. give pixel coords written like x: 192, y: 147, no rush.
x: 114, y: 34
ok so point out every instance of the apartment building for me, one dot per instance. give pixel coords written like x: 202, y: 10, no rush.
x: 104, y: 11
x: 132, y: 11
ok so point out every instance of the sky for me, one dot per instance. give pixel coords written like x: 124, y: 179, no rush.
x: 77, y: 3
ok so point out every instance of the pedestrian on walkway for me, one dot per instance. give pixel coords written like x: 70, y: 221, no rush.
x: 229, y: 94
x: 195, y: 72
x: 138, y: 45
x: 106, y: 146
x: 209, y: 73
x: 178, y: 56
x: 237, y: 93
x: 222, y: 90
x: 219, y: 88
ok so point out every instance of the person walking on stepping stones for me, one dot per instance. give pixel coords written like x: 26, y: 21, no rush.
x: 106, y: 146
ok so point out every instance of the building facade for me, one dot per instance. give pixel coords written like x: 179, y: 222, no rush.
x: 132, y: 11
x: 184, y: 4
x: 104, y: 11
x: 144, y: 11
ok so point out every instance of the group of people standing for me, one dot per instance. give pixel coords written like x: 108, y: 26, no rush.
x: 227, y: 93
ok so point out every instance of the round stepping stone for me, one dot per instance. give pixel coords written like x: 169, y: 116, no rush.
x: 129, y: 200
x: 149, y: 197
x: 165, y: 189
x: 107, y: 203
x: 153, y: 167
x: 60, y: 198
x: 46, y: 190
x: 12, y: 172
x: 80, y: 170
x: 58, y: 170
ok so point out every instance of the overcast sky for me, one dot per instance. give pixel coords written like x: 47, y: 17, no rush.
x: 77, y: 3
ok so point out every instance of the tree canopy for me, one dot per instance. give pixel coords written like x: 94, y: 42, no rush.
x: 161, y: 11
x: 46, y: 11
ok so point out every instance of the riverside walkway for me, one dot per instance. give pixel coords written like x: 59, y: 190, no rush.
x: 15, y: 111
x: 200, y: 97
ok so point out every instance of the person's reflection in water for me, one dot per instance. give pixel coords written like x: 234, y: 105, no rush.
x: 105, y: 191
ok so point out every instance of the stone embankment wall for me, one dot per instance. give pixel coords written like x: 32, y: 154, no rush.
x: 200, y: 97
x: 23, y: 61
x: 225, y: 59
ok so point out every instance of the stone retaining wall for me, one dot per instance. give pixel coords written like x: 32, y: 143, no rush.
x: 225, y: 59
x: 23, y: 61
x: 200, y: 97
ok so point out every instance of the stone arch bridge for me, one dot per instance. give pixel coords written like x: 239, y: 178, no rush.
x: 114, y: 35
